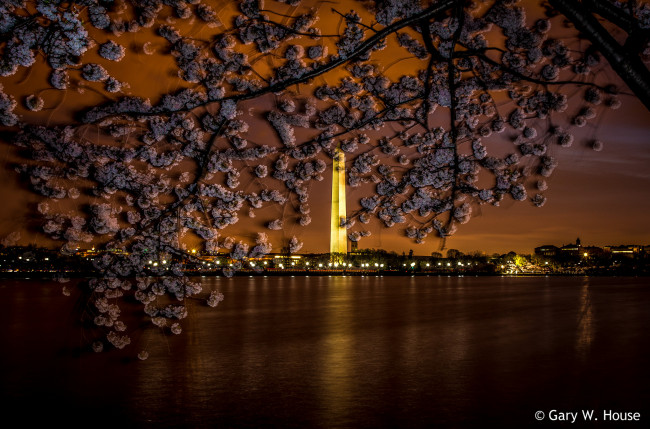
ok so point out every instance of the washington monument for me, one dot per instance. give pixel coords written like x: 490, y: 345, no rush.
x: 338, y: 232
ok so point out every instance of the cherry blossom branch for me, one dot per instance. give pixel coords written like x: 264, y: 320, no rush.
x: 628, y: 66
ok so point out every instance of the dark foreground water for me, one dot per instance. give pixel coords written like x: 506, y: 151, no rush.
x: 341, y: 352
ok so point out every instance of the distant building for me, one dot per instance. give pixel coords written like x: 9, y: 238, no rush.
x: 548, y: 250
x: 626, y: 251
x: 571, y: 250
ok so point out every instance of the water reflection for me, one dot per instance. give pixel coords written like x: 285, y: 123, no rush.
x: 343, y: 353
x: 585, y: 331
x: 336, y: 350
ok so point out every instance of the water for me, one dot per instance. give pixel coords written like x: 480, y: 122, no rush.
x: 340, y: 352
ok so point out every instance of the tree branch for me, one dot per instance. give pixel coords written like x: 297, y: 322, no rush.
x: 628, y: 66
x: 362, y: 48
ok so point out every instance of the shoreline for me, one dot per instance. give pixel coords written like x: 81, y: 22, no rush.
x: 319, y: 273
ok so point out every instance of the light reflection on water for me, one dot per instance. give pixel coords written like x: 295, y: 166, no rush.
x: 332, y: 352
x: 585, y: 321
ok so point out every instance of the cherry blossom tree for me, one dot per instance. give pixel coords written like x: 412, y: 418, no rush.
x: 439, y: 107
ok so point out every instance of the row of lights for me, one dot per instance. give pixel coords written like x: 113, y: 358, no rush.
x: 320, y: 265
x: 27, y: 259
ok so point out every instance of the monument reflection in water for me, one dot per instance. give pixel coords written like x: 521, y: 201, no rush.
x: 329, y: 352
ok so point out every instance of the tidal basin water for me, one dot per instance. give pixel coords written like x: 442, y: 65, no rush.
x: 339, y: 352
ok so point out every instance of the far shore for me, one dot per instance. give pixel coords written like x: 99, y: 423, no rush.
x: 328, y: 273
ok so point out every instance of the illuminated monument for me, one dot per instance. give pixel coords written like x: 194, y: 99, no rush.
x: 338, y: 233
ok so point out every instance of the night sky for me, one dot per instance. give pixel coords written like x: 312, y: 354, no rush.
x: 601, y: 197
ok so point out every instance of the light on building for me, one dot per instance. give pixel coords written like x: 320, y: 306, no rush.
x: 338, y: 232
